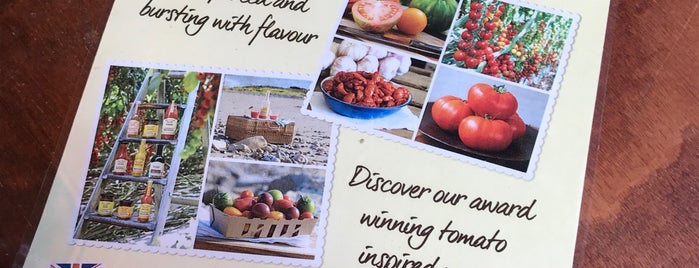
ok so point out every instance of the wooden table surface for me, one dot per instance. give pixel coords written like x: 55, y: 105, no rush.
x: 641, y: 197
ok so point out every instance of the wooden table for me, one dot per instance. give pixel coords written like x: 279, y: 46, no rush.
x: 641, y: 198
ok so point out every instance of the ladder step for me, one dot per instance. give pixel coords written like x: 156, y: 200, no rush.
x: 133, y: 223
x: 136, y: 179
x: 154, y: 141
x: 159, y: 106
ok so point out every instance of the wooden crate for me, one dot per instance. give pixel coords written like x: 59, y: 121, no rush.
x: 239, y: 127
x: 237, y: 227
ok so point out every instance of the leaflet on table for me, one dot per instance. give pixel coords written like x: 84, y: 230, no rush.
x: 215, y: 136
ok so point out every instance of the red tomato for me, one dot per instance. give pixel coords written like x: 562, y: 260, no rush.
x: 493, y: 101
x: 448, y: 111
x: 246, y: 193
x: 466, y: 36
x: 490, y: 25
x: 485, y: 134
x: 471, y: 62
x: 517, y: 125
x: 463, y: 45
x: 472, y: 25
x: 486, y: 35
x: 305, y: 215
x: 460, y: 55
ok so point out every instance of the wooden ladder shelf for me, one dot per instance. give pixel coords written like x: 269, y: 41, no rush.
x: 163, y: 187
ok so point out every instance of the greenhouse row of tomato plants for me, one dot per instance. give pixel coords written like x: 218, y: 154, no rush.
x: 507, y: 41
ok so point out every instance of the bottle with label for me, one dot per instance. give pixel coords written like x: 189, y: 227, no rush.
x: 134, y: 126
x: 146, y: 204
x: 156, y: 168
x: 121, y: 163
x: 264, y: 108
x: 139, y: 161
x: 170, y: 122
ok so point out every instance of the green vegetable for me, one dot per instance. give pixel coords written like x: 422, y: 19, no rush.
x: 222, y: 200
x: 305, y: 204
x: 440, y: 13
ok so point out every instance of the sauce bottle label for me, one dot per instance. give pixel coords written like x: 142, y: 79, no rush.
x: 144, y: 212
x: 120, y: 166
x: 138, y: 167
x: 156, y: 169
x: 124, y: 212
x: 150, y: 131
x: 104, y: 208
x: 133, y: 128
x: 169, y: 126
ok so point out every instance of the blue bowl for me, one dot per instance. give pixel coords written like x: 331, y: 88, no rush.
x: 358, y: 111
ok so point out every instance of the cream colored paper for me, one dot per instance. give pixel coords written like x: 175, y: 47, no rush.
x: 546, y: 241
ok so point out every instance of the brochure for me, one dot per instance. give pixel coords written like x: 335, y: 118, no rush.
x: 370, y: 133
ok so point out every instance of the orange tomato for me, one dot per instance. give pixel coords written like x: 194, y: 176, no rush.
x: 232, y: 211
x: 412, y: 21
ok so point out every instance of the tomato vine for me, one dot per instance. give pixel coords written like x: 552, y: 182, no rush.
x: 507, y: 41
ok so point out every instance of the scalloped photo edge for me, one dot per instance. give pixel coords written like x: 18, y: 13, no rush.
x: 188, y: 230
x: 511, y: 165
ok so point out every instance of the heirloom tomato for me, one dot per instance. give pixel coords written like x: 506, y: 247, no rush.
x: 517, y: 125
x: 485, y: 134
x: 448, y: 111
x: 493, y: 101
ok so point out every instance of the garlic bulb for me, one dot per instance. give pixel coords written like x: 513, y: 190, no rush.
x: 343, y: 64
x: 368, y: 64
x: 354, y: 50
x: 388, y: 67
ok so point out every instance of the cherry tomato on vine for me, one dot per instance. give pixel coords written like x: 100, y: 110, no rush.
x: 484, y: 133
x: 459, y: 55
x: 486, y: 35
x: 466, y: 36
x: 463, y: 45
x: 476, y: 5
x: 474, y: 15
x: 490, y: 25
x: 448, y: 111
x: 471, y: 62
x: 472, y: 25
x: 494, y: 101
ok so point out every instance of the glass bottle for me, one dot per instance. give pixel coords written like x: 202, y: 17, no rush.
x: 169, y: 122
x: 264, y: 108
x: 146, y: 203
x: 139, y: 160
x: 156, y: 168
x: 121, y: 163
x: 134, y: 126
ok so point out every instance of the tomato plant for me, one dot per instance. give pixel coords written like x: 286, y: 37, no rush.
x: 484, y: 133
x: 448, y: 111
x: 493, y: 101
x: 510, y: 42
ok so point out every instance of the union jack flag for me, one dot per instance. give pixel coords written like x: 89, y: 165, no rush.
x: 76, y: 265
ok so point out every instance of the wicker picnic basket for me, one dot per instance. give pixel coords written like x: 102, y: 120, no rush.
x: 239, y: 127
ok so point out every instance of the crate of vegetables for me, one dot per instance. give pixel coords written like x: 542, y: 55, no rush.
x: 270, y: 214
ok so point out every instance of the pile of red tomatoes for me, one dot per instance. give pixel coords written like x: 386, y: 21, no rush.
x: 486, y: 121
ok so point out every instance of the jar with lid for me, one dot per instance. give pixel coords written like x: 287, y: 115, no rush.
x: 125, y: 209
x: 105, y: 206
x: 150, y: 128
